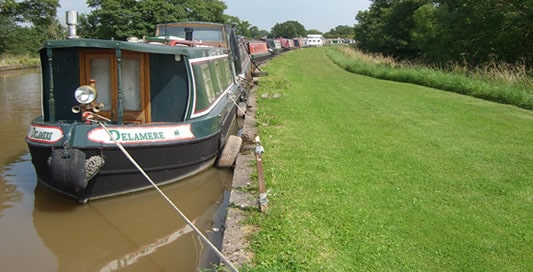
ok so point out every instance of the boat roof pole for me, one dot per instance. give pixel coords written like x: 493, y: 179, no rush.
x: 51, y: 98
x: 119, y: 83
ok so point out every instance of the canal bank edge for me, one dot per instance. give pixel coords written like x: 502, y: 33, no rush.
x: 11, y: 67
x: 235, y: 244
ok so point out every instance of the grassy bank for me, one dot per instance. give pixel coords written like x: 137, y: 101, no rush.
x: 373, y: 175
x: 18, y: 60
x: 500, y: 83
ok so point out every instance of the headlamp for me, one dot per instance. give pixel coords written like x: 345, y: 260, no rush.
x: 85, y: 94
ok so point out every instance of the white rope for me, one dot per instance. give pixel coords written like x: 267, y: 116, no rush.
x: 191, y: 224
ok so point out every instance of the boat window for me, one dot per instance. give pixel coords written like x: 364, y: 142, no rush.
x: 101, y: 70
x: 206, y: 75
x: 131, y: 84
x: 219, y: 74
x: 214, y: 77
x: 222, y: 74
x: 206, y: 34
x: 227, y: 68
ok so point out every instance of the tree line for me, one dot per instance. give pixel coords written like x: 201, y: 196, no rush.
x: 26, y: 24
x: 441, y: 32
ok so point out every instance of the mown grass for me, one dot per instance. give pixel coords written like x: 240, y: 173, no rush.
x: 497, y: 82
x: 374, y: 175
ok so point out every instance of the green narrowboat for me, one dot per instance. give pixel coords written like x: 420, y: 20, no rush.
x: 172, y: 108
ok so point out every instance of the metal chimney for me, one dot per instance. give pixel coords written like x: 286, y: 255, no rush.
x: 72, y: 23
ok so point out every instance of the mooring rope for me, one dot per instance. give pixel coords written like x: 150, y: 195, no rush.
x: 244, y: 111
x: 169, y: 201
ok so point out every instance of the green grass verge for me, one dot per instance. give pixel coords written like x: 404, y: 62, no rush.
x: 374, y: 175
x: 520, y: 95
x: 10, y: 60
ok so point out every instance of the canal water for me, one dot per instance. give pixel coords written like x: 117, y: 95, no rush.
x: 41, y: 230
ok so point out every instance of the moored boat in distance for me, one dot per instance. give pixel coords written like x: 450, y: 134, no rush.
x: 258, y: 50
x: 171, y: 105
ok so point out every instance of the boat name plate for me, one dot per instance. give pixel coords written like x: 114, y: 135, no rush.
x: 145, y: 134
x: 44, y: 134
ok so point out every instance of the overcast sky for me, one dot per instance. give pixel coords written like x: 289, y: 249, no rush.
x: 320, y: 15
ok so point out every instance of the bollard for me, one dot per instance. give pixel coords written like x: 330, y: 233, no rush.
x: 259, y: 150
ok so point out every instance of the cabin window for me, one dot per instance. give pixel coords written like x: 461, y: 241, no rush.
x: 205, y: 34
x: 227, y: 69
x: 221, y: 75
x: 208, y: 83
x: 218, y: 75
x: 131, y: 85
x: 213, y: 78
x: 102, y: 66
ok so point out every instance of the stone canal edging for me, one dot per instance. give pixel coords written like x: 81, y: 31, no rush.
x: 235, y: 245
x: 17, y: 67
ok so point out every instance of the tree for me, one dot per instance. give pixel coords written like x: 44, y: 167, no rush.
x: 27, y: 24
x: 386, y: 28
x: 205, y: 10
x: 475, y: 31
x: 448, y: 31
x: 314, y: 31
x: 341, y: 31
x: 120, y: 19
x: 256, y: 33
x: 288, y: 29
x: 40, y: 13
x: 262, y: 34
x: 7, y: 32
x: 242, y: 28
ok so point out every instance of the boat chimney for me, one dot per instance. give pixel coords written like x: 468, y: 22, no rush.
x: 72, y: 23
x: 188, y: 33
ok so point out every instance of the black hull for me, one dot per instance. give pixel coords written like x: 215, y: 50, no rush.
x: 163, y: 164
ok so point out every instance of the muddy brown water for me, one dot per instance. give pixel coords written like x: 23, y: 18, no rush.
x: 41, y: 230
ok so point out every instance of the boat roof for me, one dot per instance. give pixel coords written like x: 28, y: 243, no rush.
x: 192, y: 23
x: 157, y: 48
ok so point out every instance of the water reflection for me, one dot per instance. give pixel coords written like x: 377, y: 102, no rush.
x: 139, y: 231
x: 22, y: 249
x: 9, y: 195
x: 16, y: 180
x: 20, y: 103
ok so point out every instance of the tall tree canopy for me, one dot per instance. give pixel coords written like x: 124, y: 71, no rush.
x: 475, y: 31
x: 256, y: 33
x: 39, y: 13
x: 314, y: 31
x: 441, y: 31
x: 288, y: 29
x: 25, y: 25
x: 341, y: 31
x: 386, y: 27
x: 242, y: 28
x: 120, y: 19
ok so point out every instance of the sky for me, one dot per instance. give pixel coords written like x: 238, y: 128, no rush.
x: 319, y: 15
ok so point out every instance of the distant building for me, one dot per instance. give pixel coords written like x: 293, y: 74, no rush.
x: 314, y: 40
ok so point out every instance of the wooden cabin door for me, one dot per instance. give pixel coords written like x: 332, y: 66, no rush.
x: 102, y: 66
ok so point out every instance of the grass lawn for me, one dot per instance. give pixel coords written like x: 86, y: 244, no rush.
x: 374, y: 175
